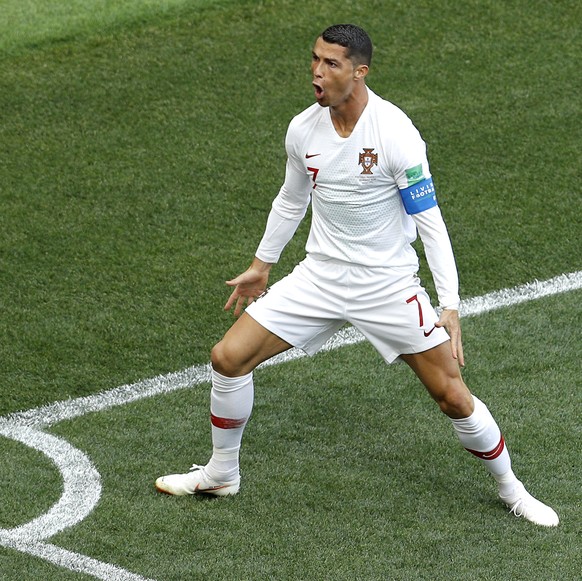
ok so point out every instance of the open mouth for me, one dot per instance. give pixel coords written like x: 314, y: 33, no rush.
x: 319, y: 92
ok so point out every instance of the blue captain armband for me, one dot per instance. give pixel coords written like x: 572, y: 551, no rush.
x: 419, y: 197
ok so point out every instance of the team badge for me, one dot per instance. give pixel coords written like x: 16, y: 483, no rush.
x: 368, y: 160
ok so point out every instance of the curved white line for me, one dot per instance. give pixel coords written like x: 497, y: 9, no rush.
x: 81, y: 481
x: 81, y: 484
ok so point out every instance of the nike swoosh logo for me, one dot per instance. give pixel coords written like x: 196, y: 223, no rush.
x: 210, y: 488
x: 308, y: 156
x: 428, y: 334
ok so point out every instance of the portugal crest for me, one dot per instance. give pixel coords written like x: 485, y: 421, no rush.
x: 368, y: 159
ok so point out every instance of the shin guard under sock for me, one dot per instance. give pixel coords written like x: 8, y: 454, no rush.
x: 231, y: 403
x: 481, y: 436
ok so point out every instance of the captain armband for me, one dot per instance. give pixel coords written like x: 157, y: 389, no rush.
x: 419, y: 197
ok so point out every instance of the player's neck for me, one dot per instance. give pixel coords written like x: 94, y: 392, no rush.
x: 345, y: 116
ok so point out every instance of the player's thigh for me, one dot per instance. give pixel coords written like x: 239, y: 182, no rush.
x: 244, y: 346
x: 305, y: 308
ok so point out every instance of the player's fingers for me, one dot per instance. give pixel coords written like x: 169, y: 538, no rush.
x: 460, y: 354
x: 453, y: 331
x: 231, y: 300
x: 454, y: 343
x: 457, y: 345
x: 237, y: 307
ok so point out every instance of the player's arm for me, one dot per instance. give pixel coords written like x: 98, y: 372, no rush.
x: 441, y: 261
x: 287, y: 211
x: 420, y: 202
x: 417, y: 191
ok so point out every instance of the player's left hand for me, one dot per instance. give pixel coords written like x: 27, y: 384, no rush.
x: 449, y: 319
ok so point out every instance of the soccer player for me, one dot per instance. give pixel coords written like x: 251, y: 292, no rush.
x: 362, y: 164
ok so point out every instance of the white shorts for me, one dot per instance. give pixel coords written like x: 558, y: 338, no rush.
x: 388, y: 306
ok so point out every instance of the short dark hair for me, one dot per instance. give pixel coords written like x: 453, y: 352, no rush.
x: 352, y: 37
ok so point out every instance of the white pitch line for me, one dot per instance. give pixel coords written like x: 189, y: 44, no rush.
x: 54, y: 413
x: 70, y: 560
x: 82, y: 486
x: 59, y: 411
x: 521, y: 294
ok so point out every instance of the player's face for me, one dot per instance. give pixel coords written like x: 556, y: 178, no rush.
x: 333, y: 74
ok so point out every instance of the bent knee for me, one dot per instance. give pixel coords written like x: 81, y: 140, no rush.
x: 225, y: 360
x: 220, y: 360
x: 456, y: 402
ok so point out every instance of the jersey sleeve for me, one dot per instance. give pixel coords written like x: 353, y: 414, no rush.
x: 411, y: 170
x: 439, y: 255
x: 288, y: 208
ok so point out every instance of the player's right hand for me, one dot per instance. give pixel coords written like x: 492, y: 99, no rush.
x: 249, y: 285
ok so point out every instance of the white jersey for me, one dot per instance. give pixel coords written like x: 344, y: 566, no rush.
x: 355, y: 185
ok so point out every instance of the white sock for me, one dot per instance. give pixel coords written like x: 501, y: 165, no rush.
x: 480, y: 435
x: 231, y: 403
x: 508, y: 484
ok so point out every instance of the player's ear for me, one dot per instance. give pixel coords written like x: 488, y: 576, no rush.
x: 360, y: 72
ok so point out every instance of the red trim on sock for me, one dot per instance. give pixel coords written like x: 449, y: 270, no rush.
x: 227, y: 423
x: 492, y: 454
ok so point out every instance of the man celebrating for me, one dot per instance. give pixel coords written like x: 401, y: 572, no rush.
x: 362, y: 164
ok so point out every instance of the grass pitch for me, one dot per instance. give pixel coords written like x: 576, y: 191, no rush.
x: 141, y: 145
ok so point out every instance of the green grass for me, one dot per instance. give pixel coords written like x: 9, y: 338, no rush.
x: 33, y: 23
x: 349, y: 470
x: 141, y: 144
